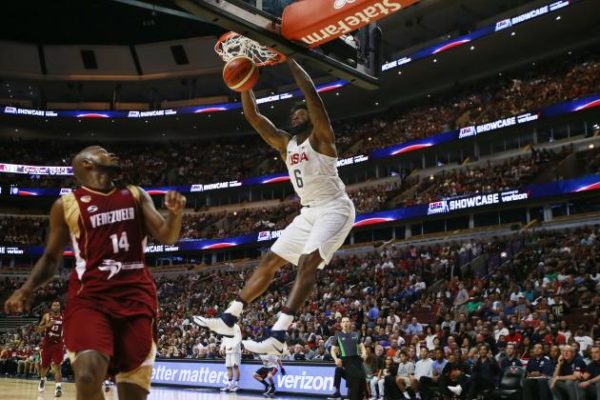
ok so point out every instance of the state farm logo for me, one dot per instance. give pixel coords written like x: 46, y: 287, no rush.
x: 337, y: 4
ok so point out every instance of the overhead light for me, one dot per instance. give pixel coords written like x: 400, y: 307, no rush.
x: 429, y: 96
x: 570, y: 52
x: 499, y: 73
x: 591, y: 146
x: 146, y: 121
x: 16, y: 130
x: 376, y: 103
x: 435, y: 60
x: 370, y: 138
x: 399, y: 72
x: 513, y: 33
x: 164, y: 134
x: 272, y: 106
x: 558, y: 17
x: 337, y: 93
x: 472, y: 48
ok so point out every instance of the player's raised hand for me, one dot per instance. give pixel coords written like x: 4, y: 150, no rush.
x: 19, y: 302
x: 175, y: 202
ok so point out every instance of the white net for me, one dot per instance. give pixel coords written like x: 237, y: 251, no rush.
x: 234, y: 45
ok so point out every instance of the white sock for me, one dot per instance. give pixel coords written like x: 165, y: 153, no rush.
x: 43, y: 379
x: 283, y: 322
x: 235, y: 308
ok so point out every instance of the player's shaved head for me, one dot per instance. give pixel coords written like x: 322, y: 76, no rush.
x: 80, y: 160
x: 93, y: 161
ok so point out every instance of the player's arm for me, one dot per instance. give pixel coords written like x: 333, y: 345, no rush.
x: 276, y: 138
x: 316, y: 108
x: 165, y: 230
x: 45, y: 268
x: 45, y: 323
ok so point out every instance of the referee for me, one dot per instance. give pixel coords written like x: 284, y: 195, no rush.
x: 348, y: 354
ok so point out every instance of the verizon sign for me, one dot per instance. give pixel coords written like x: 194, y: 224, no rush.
x: 315, y: 22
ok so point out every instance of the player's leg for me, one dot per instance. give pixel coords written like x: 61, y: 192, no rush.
x: 90, y: 368
x: 260, y: 376
x: 90, y: 348
x: 330, y: 226
x: 135, y: 351
x: 271, y: 381
x: 57, y: 377
x: 236, y: 376
x: 228, y: 385
x: 44, y: 367
x: 287, y: 248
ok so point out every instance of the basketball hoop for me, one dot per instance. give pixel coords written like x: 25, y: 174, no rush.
x: 233, y: 44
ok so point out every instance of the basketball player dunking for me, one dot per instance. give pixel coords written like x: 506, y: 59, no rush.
x: 324, y: 222
x: 111, y: 302
x: 52, y: 346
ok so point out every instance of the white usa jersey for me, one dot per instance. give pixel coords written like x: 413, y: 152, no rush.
x: 270, y: 360
x: 233, y: 345
x: 314, y: 175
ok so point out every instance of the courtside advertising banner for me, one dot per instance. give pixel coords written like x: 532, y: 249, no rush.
x: 306, y: 378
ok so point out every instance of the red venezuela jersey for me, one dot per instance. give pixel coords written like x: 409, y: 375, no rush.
x: 108, y: 237
x: 54, y: 334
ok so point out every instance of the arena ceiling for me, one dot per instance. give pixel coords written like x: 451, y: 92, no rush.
x: 108, y: 22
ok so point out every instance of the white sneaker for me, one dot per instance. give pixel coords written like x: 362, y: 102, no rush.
x: 226, y: 388
x: 267, y: 346
x: 457, y: 390
x: 217, y: 325
x: 42, y: 385
x: 58, y: 391
x: 234, y: 388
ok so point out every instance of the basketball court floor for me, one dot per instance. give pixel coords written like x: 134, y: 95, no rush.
x: 19, y: 389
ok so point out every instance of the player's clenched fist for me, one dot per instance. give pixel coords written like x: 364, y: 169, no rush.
x: 175, y: 202
x: 18, y: 302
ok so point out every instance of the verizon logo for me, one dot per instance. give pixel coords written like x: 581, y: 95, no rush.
x: 353, y: 21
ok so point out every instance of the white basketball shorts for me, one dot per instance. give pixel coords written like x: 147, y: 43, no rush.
x: 233, y: 359
x: 324, y: 228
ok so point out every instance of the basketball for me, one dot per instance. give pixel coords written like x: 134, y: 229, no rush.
x: 240, y: 74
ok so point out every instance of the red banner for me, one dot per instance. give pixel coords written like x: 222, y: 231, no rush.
x: 314, y: 22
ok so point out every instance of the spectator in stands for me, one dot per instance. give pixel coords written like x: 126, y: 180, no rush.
x: 589, y: 387
x: 428, y: 384
x: 486, y: 373
x: 568, y: 372
x: 539, y: 371
x: 423, y: 368
x: 511, y: 358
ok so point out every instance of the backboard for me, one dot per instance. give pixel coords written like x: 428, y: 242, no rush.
x: 355, y: 58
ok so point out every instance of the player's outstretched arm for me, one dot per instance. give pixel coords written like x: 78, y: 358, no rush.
x: 165, y: 230
x: 45, y: 268
x: 276, y: 138
x: 316, y: 108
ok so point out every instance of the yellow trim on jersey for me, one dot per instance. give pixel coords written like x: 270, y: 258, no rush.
x: 72, y: 213
x: 135, y: 191
x: 142, y: 375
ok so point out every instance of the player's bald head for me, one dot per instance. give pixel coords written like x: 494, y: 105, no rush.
x: 82, y: 158
x: 95, y: 158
